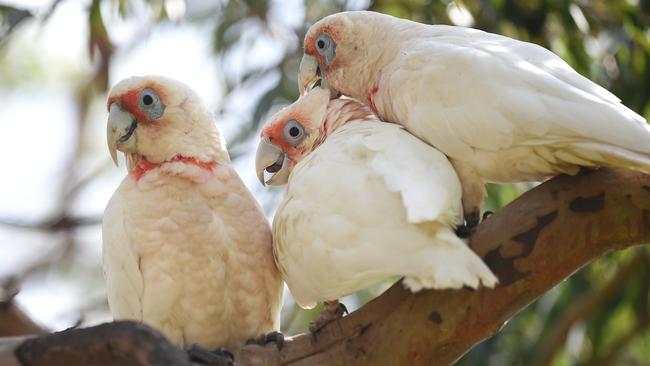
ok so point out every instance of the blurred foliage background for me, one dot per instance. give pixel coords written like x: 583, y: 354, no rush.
x: 57, y: 59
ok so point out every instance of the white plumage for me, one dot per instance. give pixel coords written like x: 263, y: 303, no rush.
x: 369, y: 203
x: 192, y: 259
x: 501, y: 109
x: 186, y: 247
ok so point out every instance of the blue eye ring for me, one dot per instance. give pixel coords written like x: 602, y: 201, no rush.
x: 293, y: 132
x: 326, y: 47
x: 323, y: 42
x: 150, y: 103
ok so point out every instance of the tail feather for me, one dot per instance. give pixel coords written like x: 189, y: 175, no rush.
x: 448, y: 264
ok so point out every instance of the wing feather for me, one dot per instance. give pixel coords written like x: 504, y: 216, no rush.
x: 372, y: 202
x: 124, y: 283
x: 462, y: 90
x: 424, y: 178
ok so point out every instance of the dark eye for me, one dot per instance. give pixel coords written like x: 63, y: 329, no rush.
x: 323, y: 42
x: 151, y: 104
x: 147, y: 99
x: 326, y: 47
x: 293, y: 132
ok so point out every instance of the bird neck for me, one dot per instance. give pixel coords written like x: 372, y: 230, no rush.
x: 341, y: 111
x: 142, y: 166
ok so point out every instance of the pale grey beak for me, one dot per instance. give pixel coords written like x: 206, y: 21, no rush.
x: 310, y: 77
x: 308, y: 74
x: 271, y: 159
x: 120, y: 132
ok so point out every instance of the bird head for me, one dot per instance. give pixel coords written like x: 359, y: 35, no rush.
x: 158, y: 119
x: 295, y: 131
x: 343, y: 49
x: 289, y: 135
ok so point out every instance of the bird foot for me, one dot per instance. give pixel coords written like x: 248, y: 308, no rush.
x: 463, y: 231
x: 202, y: 356
x: 473, y: 218
x: 272, y: 337
x: 586, y: 170
x: 331, y: 311
x: 471, y: 222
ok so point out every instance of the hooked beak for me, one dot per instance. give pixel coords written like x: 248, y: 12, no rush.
x: 311, y: 76
x: 309, y: 73
x: 120, y: 132
x: 273, y: 160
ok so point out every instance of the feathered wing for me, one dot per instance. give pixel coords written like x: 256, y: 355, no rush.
x: 124, y: 283
x: 466, y: 91
x: 421, y: 175
x: 370, y: 203
x: 430, y: 192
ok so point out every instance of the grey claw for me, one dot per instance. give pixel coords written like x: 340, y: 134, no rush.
x: 275, y: 337
x: 486, y: 214
x: 219, y: 357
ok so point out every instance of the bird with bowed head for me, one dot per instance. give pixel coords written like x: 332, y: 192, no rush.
x: 365, y: 201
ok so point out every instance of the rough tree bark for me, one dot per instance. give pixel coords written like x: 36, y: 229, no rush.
x: 119, y: 343
x: 531, y: 245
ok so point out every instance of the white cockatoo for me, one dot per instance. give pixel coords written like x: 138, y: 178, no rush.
x: 187, y: 249
x: 365, y: 201
x: 502, y: 110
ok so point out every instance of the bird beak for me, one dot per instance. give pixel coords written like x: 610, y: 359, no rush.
x: 120, y: 132
x: 309, y: 73
x: 273, y: 160
x: 311, y: 77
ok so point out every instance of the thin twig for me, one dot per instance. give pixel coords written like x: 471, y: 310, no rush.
x: 54, y: 224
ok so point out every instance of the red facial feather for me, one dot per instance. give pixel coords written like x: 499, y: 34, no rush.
x: 309, y: 45
x: 129, y: 100
x: 274, y: 133
x: 276, y: 136
x: 131, y: 103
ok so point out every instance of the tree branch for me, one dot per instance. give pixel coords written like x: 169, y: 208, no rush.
x: 13, y: 321
x: 531, y: 245
x: 122, y: 343
x: 59, y: 223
